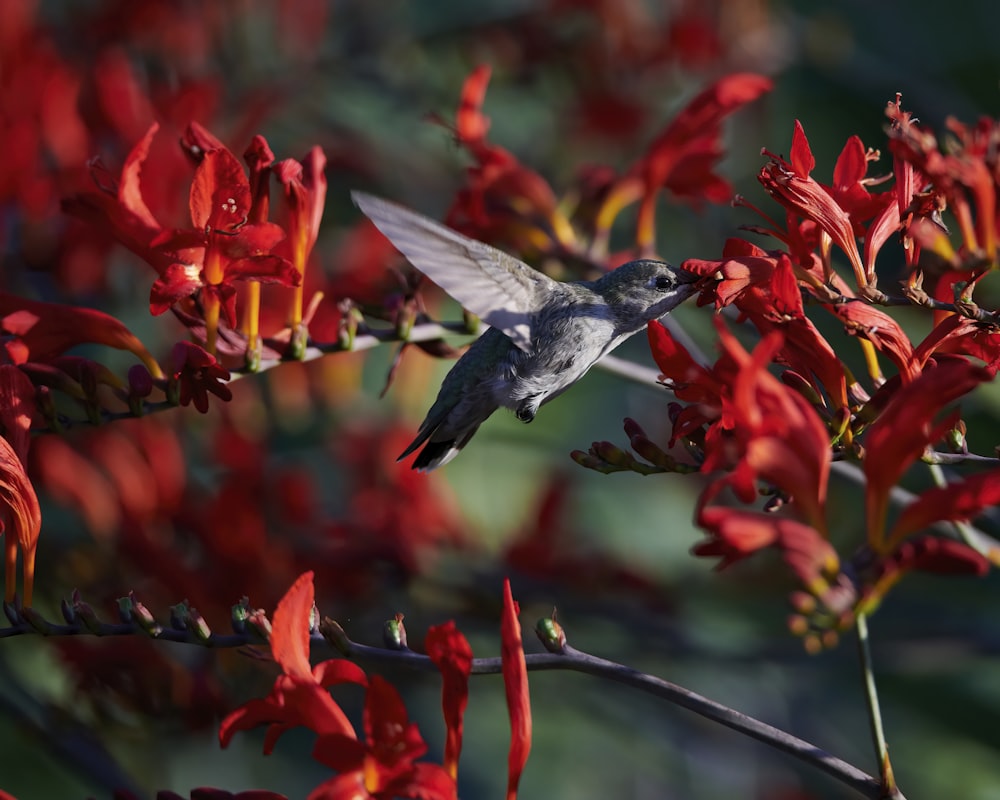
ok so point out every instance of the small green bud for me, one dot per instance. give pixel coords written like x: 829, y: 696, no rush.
x: 394, y: 634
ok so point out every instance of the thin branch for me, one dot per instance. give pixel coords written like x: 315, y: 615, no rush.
x: 578, y: 661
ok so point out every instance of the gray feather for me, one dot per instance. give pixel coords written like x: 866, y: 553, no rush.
x: 500, y: 289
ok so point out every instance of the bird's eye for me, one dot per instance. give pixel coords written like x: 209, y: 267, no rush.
x: 663, y: 282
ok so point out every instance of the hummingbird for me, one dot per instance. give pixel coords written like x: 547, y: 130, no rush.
x: 544, y: 334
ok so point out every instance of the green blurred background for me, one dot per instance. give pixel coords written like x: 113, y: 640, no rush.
x: 359, y: 78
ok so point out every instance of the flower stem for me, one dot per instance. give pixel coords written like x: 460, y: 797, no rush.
x: 874, y: 711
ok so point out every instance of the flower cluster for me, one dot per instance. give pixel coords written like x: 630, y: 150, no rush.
x: 384, y: 764
x: 779, y: 436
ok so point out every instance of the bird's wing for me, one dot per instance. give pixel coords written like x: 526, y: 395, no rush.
x: 500, y: 289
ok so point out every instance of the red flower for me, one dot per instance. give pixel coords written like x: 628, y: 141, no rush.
x: 779, y: 437
x: 515, y: 681
x: 222, y: 247
x: 450, y: 651
x: 790, y: 184
x: 384, y: 765
x: 736, y: 534
x: 702, y: 388
x: 20, y: 522
x: 907, y: 426
x: 196, y: 373
x: 305, y: 192
x: 682, y: 158
x: 300, y: 695
x: 504, y: 202
x: 41, y: 331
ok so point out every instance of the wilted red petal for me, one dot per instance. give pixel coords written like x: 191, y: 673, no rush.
x: 21, y: 521
x: 450, y: 651
x: 515, y: 680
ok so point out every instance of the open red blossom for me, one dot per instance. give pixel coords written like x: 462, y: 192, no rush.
x: 20, y: 522
x: 222, y: 247
x: 791, y: 185
x: 385, y: 765
x: 906, y: 427
x: 300, y: 695
x: 763, y: 287
x: 451, y: 653
x: 779, y: 436
x: 515, y: 681
x: 850, y: 185
x: 197, y: 373
x: 41, y: 331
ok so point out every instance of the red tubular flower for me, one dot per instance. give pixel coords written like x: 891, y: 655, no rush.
x: 762, y: 285
x: 504, y: 202
x: 701, y: 388
x: 42, y: 331
x: 905, y: 428
x: 780, y: 437
x: 682, y: 158
x: 450, y: 651
x: 222, y: 247
x: 304, y: 185
x: 790, y: 184
x: 867, y: 322
x: 384, y: 766
x: 515, y: 681
x: 300, y: 695
x: 20, y: 522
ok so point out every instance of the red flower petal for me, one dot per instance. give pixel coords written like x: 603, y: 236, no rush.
x: 515, y: 680
x: 290, y: 628
x: 959, y: 501
x: 20, y: 521
x: 220, y: 193
x: 450, y: 651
